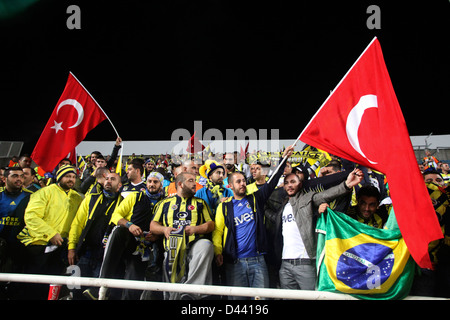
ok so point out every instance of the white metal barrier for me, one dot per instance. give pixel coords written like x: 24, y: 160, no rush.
x: 186, y: 288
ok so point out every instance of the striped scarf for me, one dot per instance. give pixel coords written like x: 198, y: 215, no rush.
x: 215, y: 189
x: 176, y: 256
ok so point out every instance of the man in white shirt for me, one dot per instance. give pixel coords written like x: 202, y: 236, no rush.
x: 298, y: 239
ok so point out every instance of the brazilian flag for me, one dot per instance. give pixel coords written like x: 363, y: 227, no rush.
x: 360, y: 260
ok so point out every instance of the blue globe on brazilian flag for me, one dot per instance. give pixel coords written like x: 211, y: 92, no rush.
x: 360, y: 260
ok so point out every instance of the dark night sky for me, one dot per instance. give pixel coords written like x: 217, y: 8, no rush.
x: 155, y: 66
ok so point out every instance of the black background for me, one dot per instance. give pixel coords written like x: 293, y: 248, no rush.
x: 155, y: 66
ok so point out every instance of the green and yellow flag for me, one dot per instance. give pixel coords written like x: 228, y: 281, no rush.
x: 360, y: 260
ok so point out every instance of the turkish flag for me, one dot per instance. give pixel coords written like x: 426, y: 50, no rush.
x: 194, y: 145
x: 361, y: 121
x: 75, y: 114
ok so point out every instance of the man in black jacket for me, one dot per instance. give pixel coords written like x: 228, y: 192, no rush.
x: 92, y: 225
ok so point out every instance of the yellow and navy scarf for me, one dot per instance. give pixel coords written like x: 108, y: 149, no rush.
x: 176, y: 256
x: 440, y: 199
x: 374, y: 221
x: 215, y: 189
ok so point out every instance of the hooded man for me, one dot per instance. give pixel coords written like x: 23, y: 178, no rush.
x: 214, y: 190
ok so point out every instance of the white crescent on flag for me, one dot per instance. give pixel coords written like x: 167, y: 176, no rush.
x: 354, y: 121
x: 77, y: 107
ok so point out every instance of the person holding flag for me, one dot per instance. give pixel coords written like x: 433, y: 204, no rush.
x: 295, y: 238
x: 76, y: 113
x: 240, y: 238
x: 365, y: 93
x: 368, y: 128
x: 92, y: 165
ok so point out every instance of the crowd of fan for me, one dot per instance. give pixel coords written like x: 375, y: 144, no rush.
x: 209, y: 219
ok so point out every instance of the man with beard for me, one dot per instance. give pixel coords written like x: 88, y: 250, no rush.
x: 134, y: 181
x: 131, y: 242
x: 48, y: 217
x: 91, y: 225
x: 214, y: 190
x: 184, y: 220
x: 13, y: 202
x: 295, y: 239
x: 240, y: 240
x: 232, y: 165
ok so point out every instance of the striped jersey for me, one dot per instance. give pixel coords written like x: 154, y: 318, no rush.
x: 178, y: 212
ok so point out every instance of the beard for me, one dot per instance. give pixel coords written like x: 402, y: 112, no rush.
x: 66, y: 185
x: 14, y: 187
x: 242, y: 191
x: 154, y: 190
x: 187, y: 192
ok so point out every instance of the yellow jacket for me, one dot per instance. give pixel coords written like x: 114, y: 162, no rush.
x: 50, y: 211
x: 87, y: 213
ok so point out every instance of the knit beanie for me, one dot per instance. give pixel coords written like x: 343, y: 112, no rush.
x: 64, y: 170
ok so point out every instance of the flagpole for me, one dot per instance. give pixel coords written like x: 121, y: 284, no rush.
x: 331, y: 93
x: 96, y: 103
x: 284, y: 159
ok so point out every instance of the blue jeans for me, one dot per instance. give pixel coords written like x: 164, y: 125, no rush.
x: 247, y: 272
x: 89, y: 267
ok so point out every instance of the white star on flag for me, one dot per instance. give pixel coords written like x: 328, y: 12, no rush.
x: 57, y: 126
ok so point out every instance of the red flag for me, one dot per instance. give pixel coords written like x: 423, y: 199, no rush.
x: 243, y: 153
x: 72, y: 156
x: 194, y: 145
x: 75, y: 114
x: 362, y: 121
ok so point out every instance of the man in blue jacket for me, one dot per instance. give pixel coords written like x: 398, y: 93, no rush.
x: 239, y: 237
x: 13, y: 202
x: 214, y: 190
